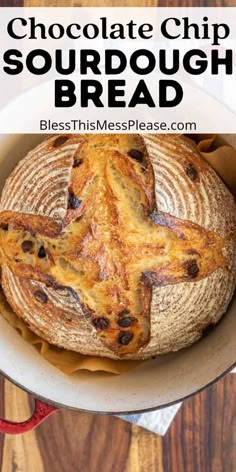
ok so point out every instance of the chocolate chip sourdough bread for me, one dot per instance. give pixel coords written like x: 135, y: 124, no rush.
x: 117, y: 245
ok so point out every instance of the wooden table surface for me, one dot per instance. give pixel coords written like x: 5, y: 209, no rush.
x: 202, y: 438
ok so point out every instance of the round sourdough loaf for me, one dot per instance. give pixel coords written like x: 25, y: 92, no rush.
x: 117, y: 245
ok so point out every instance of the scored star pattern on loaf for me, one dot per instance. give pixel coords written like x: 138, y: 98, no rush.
x: 112, y: 244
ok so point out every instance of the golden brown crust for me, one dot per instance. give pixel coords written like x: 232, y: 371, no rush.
x: 110, y: 242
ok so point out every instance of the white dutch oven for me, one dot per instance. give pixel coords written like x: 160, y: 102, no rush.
x: 154, y: 384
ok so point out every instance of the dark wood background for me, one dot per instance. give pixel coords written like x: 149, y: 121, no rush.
x: 202, y: 438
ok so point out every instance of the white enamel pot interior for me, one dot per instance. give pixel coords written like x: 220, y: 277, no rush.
x: 155, y: 383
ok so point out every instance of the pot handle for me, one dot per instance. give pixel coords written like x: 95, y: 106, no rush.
x: 41, y: 412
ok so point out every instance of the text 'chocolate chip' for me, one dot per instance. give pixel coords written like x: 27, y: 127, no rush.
x: 136, y: 154
x: 27, y: 246
x: 41, y: 296
x: 59, y: 141
x: 101, y: 323
x: 125, y: 338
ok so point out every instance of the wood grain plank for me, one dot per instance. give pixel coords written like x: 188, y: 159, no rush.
x: 145, y: 453
x: 202, y: 438
x: 21, y: 452
x: 203, y: 434
x: 70, y: 441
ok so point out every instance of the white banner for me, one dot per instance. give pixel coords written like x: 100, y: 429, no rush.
x: 163, y: 70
